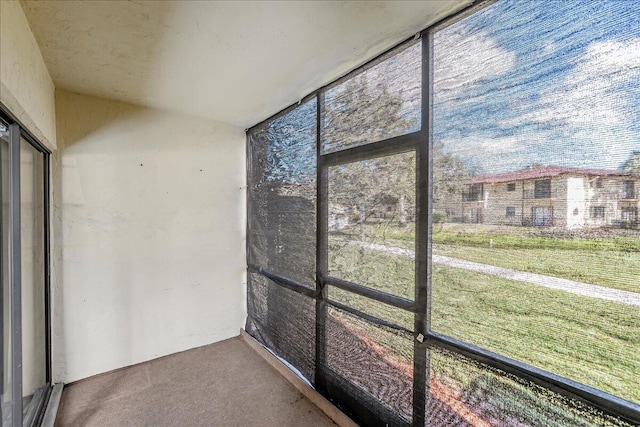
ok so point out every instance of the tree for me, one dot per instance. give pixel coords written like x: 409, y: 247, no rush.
x: 291, y: 152
x: 449, y: 174
x: 632, y: 164
x: 358, y: 114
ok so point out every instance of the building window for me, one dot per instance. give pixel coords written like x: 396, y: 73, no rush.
x: 511, y: 212
x: 511, y: 186
x: 597, y: 212
x: 628, y: 190
x: 596, y: 183
x: 629, y: 213
x: 543, y: 189
x: 475, y: 193
x: 542, y: 216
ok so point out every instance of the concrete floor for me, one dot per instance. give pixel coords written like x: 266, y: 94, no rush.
x: 223, y: 384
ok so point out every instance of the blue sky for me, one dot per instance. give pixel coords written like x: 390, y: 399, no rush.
x: 549, y: 82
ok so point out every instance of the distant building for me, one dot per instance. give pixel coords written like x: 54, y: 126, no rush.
x: 548, y: 196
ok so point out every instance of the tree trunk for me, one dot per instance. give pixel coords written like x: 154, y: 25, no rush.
x: 402, y: 211
x: 362, y: 210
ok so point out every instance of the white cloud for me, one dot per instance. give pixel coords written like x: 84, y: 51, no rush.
x: 487, y: 153
x: 604, y: 147
x: 592, y: 94
x: 462, y: 60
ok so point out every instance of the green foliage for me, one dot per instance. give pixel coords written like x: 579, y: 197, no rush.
x: 438, y: 217
x: 363, y: 114
x: 632, y: 164
x: 449, y: 174
x: 291, y: 147
x: 365, y: 267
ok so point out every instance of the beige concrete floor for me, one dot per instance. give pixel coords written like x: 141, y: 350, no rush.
x: 223, y: 384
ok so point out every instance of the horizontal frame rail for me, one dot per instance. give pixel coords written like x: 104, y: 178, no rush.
x: 369, y: 318
x: 396, y: 145
x: 606, y: 402
x: 383, y: 297
x: 284, y: 282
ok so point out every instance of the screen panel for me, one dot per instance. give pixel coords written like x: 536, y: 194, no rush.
x: 282, y: 194
x: 384, y: 312
x: 536, y: 134
x: 464, y: 392
x: 510, y: 236
x: 372, y: 223
x: 377, y: 360
x: 284, y: 321
x: 381, y: 102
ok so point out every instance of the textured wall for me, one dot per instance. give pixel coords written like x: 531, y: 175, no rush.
x: 236, y: 62
x: 150, y: 258
x: 26, y: 88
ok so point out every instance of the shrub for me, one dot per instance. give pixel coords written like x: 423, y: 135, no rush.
x: 439, y: 217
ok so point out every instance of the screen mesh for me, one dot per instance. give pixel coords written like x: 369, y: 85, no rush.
x: 378, y: 361
x: 282, y: 194
x: 384, y: 312
x: 284, y: 321
x: 536, y: 239
x: 372, y: 223
x: 534, y: 148
x: 464, y: 392
x: 379, y: 103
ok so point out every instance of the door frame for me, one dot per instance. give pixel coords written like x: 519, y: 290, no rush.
x: 18, y: 131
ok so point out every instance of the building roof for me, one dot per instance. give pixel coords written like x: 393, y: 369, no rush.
x: 545, y: 172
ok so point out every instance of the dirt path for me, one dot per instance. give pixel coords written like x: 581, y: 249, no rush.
x: 579, y: 288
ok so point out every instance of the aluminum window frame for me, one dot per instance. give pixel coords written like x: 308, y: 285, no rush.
x: 18, y: 131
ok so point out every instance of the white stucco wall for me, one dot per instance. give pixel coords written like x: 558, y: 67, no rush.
x: 150, y: 259
x: 26, y: 88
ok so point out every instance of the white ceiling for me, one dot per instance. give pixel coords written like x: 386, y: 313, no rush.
x: 236, y: 62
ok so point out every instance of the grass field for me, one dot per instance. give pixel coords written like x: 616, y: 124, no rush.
x: 612, y: 261
x: 606, y: 261
x: 592, y: 341
x: 613, y: 269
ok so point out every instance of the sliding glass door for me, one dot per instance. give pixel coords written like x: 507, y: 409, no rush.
x: 24, y: 264
x: 34, y: 327
x: 5, y: 307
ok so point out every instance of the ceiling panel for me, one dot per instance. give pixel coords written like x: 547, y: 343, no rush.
x: 235, y: 62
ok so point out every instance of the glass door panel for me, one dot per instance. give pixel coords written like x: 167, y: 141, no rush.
x: 24, y: 359
x: 34, y: 358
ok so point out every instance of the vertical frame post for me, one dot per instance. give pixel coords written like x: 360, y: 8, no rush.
x: 3, y: 128
x: 15, y: 274
x: 322, y: 248
x: 423, y: 247
x: 46, y: 185
x: 249, y: 210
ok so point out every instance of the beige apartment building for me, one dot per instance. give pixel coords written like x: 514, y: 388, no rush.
x: 549, y: 196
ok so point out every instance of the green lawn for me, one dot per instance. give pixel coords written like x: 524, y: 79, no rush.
x: 613, y: 269
x: 595, y: 342
x: 612, y: 261
x: 592, y: 341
